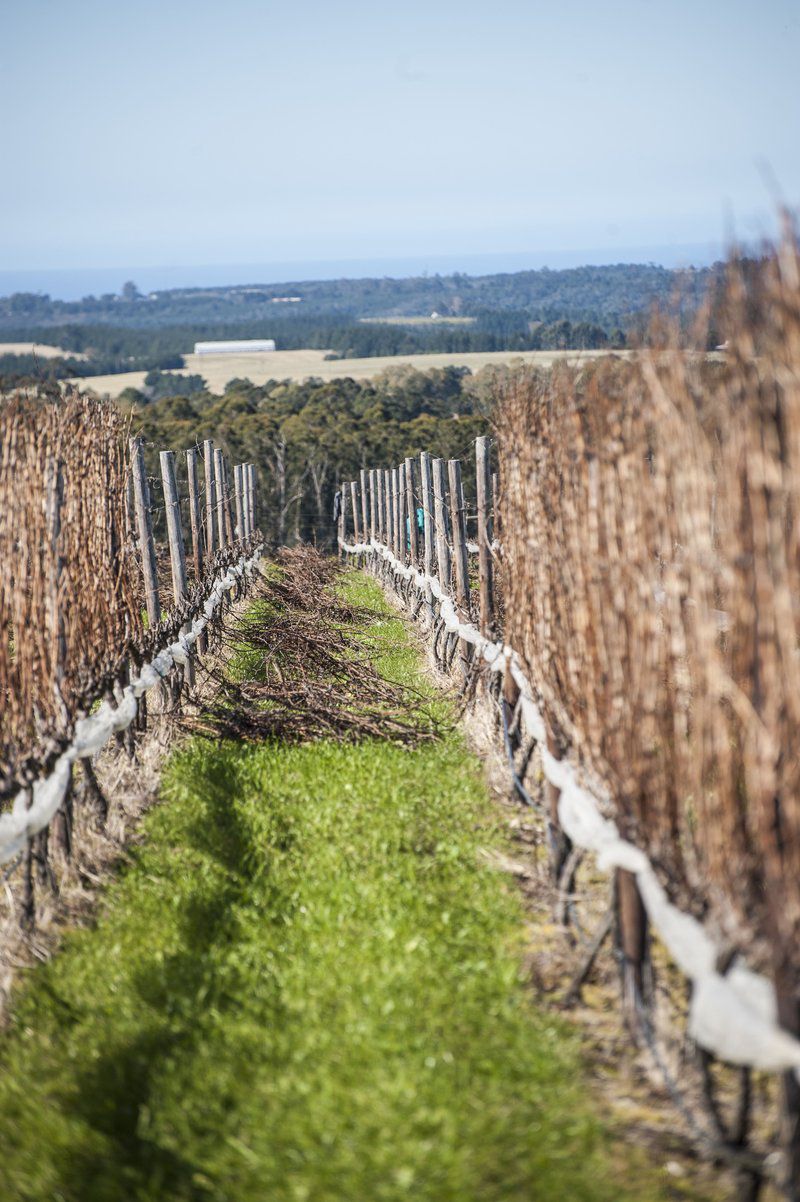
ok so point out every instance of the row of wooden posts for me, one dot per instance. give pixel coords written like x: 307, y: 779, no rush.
x: 382, y: 508
x: 379, y: 508
x: 379, y: 504
x: 217, y: 528
x: 220, y: 526
x: 380, y: 511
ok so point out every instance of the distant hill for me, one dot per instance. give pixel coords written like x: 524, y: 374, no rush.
x: 575, y: 308
x: 610, y: 293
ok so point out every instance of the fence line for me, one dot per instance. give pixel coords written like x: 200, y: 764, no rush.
x: 76, y: 530
x: 733, y: 1012
x: 30, y: 814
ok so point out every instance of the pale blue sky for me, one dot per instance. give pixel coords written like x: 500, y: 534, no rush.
x: 174, y: 133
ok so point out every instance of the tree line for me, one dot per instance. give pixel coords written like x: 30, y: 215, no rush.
x: 111, y: 349
x: 607, y: 293
x: 305, y: 438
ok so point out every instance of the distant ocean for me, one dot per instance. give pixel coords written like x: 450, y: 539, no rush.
x: 74, y: 283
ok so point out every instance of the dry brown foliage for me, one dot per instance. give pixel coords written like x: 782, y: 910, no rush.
x: 652, y: 584
x: 308, y: 670
x: 68, y: 585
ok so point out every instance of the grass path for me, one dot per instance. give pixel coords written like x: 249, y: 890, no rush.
x: 305, y: 986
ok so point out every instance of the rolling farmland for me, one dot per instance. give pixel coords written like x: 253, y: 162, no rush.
x: 37, y: 348
x: 218, y: 370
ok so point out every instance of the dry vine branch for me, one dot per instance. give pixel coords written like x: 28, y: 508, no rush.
x: 653, y: 586
x: 311, y: 672
x: 68, y: 585
x: 651, y: 525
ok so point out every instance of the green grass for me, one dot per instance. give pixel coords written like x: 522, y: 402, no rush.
x: 304, y: 987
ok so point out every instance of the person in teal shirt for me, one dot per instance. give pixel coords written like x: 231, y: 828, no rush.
x: 420, y: 526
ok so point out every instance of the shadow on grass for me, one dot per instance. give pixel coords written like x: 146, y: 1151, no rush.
x: 114, y: 1096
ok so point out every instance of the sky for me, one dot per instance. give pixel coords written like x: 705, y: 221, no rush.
x: 194, y: 137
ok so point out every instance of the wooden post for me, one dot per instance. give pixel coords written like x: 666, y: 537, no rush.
x: 172, y: 510
x: 483, y: 477
x: 379, y: 504
x: 632, y: 920
x: 560, y: 842
x: 366, y: 504
x: 496, y: 504
x: 144, y: 524
x: 341, y: 531
x: 460, y: 555
x: 129, y: 509
x: 219, y: 484
x: 354, y: 499
x: 442, y: 526
x: 389, y: 495
x: 402, y: 539
x: 27, y: 918
x: 194, y: 513
x: 373, y: 504
x: 395, y: 514
x: 429, y: 526
x: 227, y: 504
x: 246, y: 500
x: 383, y: 512
x: 363, y: 476
x: 510, y: 697
x: 411, y: 510
x: 62, y: 822
x: 390, y: 491
x: 40, y: 843
x: 211, y: 497
x: 251, y: 498
x: 177, y: 554
x: 93, y: 793
x: 237, y: 491
x: 785, y: 977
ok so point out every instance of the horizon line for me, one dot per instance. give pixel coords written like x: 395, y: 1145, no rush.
x: 71, y: 284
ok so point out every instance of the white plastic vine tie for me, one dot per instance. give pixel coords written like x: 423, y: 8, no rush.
x: 734, y: 1015
x: 92, y: 733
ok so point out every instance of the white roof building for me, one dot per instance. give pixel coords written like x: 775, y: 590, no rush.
x: 241, y: 346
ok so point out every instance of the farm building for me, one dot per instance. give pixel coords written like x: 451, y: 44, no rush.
x: 243, y: 346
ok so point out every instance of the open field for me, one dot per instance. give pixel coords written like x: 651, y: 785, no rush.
x: 298, y: 365
x: 37, y: 348
x: 424, y: 320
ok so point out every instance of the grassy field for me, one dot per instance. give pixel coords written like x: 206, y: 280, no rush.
x: 306, y: 987
x: 37, y: 348
x: 298, y: 365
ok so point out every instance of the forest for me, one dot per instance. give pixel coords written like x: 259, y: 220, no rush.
x: 606, y: 294
x: 306, y: 437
